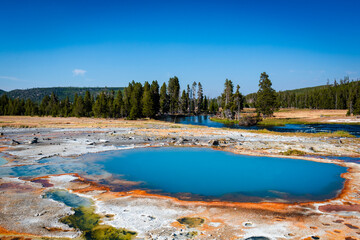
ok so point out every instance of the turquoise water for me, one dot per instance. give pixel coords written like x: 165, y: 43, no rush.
x: 69, y: 199
x: 199, y: 173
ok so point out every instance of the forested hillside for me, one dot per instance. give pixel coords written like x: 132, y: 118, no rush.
x: 37, y: 94
x: 344, y: 94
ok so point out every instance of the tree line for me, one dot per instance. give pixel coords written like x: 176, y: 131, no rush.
x: 135, y: 101
x: 150, y: 100
x: 344, y: 94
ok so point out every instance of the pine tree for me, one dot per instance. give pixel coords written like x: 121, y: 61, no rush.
x: 193, y: 97
x: 79, y: 107
x: 118, y: 105
x: 164, y: 99
x: 227, y: 94
x: 183, y: 102
x: 88, y: 104
x: 238, y: 102
x: 174, y: 92
x: 205, y: 105
x: 147, y: 102
x: 65, y: 107
x: 100, y: 107
x: 356, y: 110
x: 227, y: 99
x: 29, y: 108
x: 155, y: 96
x: 127, y: 97
x: 110, y: 104
x: 135, y: 101
x: 200, y: 98
x: 266, y: 96
x: 188, y: 93
x: 4, y: 102
x: 54, y: 105
x: 44, y: 109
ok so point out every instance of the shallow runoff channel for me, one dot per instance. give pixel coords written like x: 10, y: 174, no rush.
x: 204, y: 120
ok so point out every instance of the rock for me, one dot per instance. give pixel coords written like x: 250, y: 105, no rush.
x: 14, y: 142
x: 247, y: 224
x: 34, y: 140
x: 230, y: 140
x: 1, y: 134
x: 182, y: 140
x: 213, y: 142
x: 195, y: 141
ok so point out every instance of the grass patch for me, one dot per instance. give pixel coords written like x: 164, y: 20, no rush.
x: 191, y: 222
x: 337, y: 134
x: 294, y: 152
x: 280, y: 121
x: 262, y: 131
x: 87, y: 221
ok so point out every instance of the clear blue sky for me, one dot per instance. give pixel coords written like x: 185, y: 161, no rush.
x: 109, y: 43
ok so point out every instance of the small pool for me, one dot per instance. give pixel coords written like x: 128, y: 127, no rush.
x: 69, y: 199
x: 206, y: 174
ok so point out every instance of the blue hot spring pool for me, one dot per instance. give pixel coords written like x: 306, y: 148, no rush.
x: 207, y: 174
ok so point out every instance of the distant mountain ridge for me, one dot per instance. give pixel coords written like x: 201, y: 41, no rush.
x: 37, y: 94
